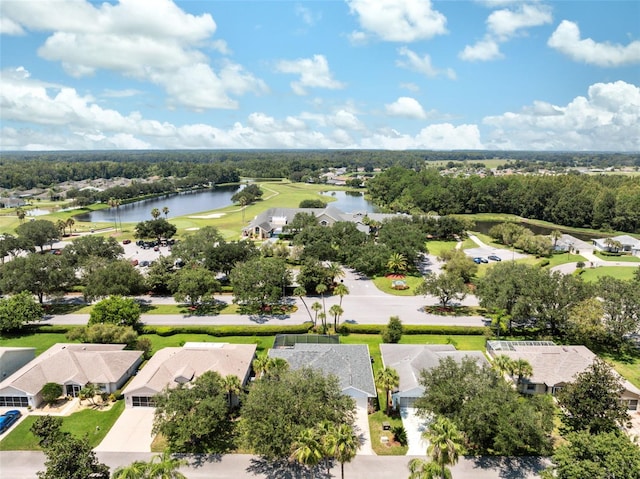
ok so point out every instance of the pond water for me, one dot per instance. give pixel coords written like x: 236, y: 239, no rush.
x: 351, y: 202
x: 179, y: 204
x: 485, y: 226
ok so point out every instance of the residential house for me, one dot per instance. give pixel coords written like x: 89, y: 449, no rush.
x: 351, y: 363
x: 554, y: 366
x: 180, y: 365
x: 12, y: 202
x: 73, y: 366
x: 628, y: 244
x: 409, y: 360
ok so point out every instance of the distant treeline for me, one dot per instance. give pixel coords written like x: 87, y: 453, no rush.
x: 592, y: 201
x: 27, y: 170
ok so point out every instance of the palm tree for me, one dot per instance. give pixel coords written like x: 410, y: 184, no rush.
x: 397, y: 263
x: 135, y: 470
x: 555, y: 236
x: 421, y: 469
x: 335, y: 270
x: 503, y: 364
x: 321, y: 289
x: 62, y: 226
x: 163, y: 466
x: 445, y: 444
x: 21, y: 213
x: 341, y: 290
x: 115, y: 203
x: 70, y: 223
x: 260, y: 365
x: 165, y: 211
x: 275, y: 367
x: 243, y: 204
x: 316, y: 307
x: 323, y: 320
x: 336, y: 311
x: 155, y: 213
x: 232, y: 385
x: 387, y: 379
x: 307, y: 449
x: 343, y: 444
x: 523, y: 369
x: 300, y: 292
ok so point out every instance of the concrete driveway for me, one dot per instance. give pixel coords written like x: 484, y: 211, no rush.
x: 131, y: 432
x: 414, y: 425
x: 362, y: 426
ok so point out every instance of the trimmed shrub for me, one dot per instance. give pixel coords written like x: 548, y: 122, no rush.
x: 221, y: 331
x: 414, y: 329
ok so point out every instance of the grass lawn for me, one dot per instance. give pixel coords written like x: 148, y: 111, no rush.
x: 558, y: 259
x: 437, y: 247
x: 40, y: 341
x: 93, y: 423
x: 230, y: 308
x: 624, y: 258
x: 390, y: 448
x: 627, y: 365
x: 619, y: 272
x: 384, y: 284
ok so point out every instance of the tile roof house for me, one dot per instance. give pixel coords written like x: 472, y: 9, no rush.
x: 410, y: 359
x: 351, y: 363
x: 554, y: 366
x: 628, y: 244
x: 172, y: 366
x: 73, y: 366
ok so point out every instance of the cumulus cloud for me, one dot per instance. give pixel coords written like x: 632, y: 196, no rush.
x: 566, y: 39
x: 423, y: 64
x: 442, y: 136
x: 502, y: 25
x: 406, y: 107
x: 608, y: 118
x: 9, y: 27
x: 149, y: 40
x: 314, y: 73
x: 397, y: 20
x: 308, y: 16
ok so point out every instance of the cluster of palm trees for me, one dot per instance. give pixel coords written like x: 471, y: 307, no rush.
x: 62, y: 225
x: 161, y: 466
x: 515, y: 368
x: 155, y: 212
x: 325, y: 442
x: 270, y: 368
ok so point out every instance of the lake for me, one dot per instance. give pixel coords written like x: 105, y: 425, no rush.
x: 179, y: 204
x: 351, y: 202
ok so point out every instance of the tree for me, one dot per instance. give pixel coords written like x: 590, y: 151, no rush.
x: 116, y: 310
x: 503, y: 364
x: 459, y: 264
x: 117, y: 278
x: 18, y: 310
x: 46, y: 428
x: 321, y: 289
x: 274, y: 368
x: 115, y: 203
x: 21, y: 213
x: 105, y: 333
x: 312, y: 273
x: 260, y: 282
x: 446, y: 286
x: 194, y: 284
x: 259, y: 365
x: 89, y: 392
x: 316, y: 307
x: 276, y: 411
x: 68, y: 457
x: 135, y: 470
x: 41, y: 274
x: 165, y: 466
x: 307, y: 449
x: 600, y: 456
x: 522, y: 368
x: 342, y: 443
x: 300, y: 292
x: 341, y: 290
x: 393, y: 331
x: 445, y: 444
x: 555, y: 235
x: 155, y: 213
x: 39, y: 232
x: 592, y: 401
x: 157, y: 228
x: 194, y: 417
x: 51, y: 392
x: 421, y: 469
x: 621, y: 303
x: 397, y: 263
x: 585, y: 323
x: 336, y: 311
x: 11, y: 245
x: 232, y: 386
x: 165, y: 211
x: 85, y: 249
x: 387, y: 379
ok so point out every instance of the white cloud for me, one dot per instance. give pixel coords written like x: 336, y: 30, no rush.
x: 566, y: 39
x: 9, y: 27
x: 129, y: 92
x: 442, y: 136
x: 314, y: 73
x: 398, y: 20
x: 506, y: 23
x: 421, y: 64
x: 308, y: 16
x: 502, y: 25
x: 410, y: 86
x: 406, y: 107
x: 607, y: 119
x: 484, y: 50
x: 149, y: 40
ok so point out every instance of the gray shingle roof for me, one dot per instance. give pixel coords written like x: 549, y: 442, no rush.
x: 351, y: 363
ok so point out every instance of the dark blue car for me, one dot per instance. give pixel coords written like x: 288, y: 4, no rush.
x: 8, y: 419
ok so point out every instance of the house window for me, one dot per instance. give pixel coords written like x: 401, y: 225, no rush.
x: 556, y: 389
x: 531, y: 387
x: 632, y: 404
x: 324, y: 223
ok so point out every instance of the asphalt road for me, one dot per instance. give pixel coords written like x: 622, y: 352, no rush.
x: 25, y: 464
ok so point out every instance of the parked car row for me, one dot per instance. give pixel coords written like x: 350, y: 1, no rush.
x: 492, y: 257
x: 8, y: 419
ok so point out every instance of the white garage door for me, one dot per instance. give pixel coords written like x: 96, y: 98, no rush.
x: 407, y: 402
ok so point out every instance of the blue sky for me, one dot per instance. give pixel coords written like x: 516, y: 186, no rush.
x: 381, y: 74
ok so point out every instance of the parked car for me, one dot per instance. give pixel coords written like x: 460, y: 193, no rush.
x: 493, y: 257
x: 484, y: 260
x: 477, y: 260
x: 127, y: 241
x: 8, y: 419
x: 144, y: 263
x: 134, y: 262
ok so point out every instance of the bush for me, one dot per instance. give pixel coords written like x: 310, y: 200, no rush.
x: 393, y: 331
x: 221, y: 331
x: 51, y: 392
x: 414, y: 329
x: 400, y: 435
x: 580, y: 264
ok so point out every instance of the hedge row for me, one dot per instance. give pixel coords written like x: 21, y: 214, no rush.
x: 222, y: 331
x: 415, y: 329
